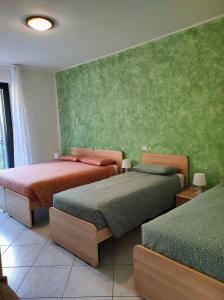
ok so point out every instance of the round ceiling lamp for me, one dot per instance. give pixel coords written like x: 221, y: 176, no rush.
x: 39, y: 23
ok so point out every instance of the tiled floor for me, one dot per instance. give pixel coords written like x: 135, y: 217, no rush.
x: 38, y: 269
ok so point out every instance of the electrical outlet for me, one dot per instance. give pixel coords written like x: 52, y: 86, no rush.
x: 144, y: 147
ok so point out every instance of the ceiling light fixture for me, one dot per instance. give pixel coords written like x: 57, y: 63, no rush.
x: 39, y: 23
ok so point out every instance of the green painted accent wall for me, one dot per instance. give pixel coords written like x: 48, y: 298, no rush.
x: 168, y: 94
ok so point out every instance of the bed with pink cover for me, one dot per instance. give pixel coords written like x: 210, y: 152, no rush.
x: 25, y: 188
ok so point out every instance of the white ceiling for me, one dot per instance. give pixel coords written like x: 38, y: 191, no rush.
x: 89, y: 29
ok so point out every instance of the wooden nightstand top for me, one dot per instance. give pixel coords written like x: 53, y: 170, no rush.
x: 189, y: 193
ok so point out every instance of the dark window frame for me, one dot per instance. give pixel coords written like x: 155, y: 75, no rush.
x: 9, y: 128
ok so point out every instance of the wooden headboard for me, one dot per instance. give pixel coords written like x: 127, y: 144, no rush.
x: 114, y: 154
x: 178, y: 161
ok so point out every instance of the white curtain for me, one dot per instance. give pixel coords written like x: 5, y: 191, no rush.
x: 21, y: 137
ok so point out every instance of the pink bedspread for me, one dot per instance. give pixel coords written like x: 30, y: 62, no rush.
x: 40, y: 181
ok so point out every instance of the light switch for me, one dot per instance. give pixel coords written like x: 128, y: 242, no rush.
x: 144, y: 147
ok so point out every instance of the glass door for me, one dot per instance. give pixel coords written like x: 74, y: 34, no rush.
x: 6, y: 134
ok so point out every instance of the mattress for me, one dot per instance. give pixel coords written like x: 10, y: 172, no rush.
x: 192, y: 234
x: 121, y: 202
x: 39, y: 182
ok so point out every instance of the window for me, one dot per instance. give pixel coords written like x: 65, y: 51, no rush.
x: 6, y: 133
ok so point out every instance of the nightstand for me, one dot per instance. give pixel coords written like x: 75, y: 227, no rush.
x: 186, y: 195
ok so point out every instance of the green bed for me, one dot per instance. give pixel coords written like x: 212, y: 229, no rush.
x: 192, y: 234
x: 120, y: 202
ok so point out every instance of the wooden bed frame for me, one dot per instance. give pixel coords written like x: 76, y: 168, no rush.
x: 76, y: 235
x: 160, y: 278
x: 82, y: 238
x: 22, y: 208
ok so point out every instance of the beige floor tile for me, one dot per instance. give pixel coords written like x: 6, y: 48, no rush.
x: 29, y: 237
x: 79, y: 262
x: 126, y: 298
x: 20, y: 256
x: 43, y: 282
x: 53, y: 255
x: 124, y: 281
x: 40, y: 298
x: 50, y: 242
x: 3, y: 249
x: 133, y: 236
x: 7, y: 237
x: 89, y: 298
x: 3, y: 217
x: 85, y: 281
x: 124, y: 253
x: 12, y: 224
x: 42, y: 230
x: 47, y: 279
x: 15, y: 276
x: 106, y: 252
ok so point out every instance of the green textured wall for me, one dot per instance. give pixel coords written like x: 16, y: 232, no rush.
x: 168, y: 94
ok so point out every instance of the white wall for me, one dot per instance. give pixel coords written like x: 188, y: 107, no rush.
x: 41, y: 106
x: 5, y: 74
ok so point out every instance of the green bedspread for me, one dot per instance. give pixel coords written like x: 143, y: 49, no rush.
x: 121, y: 202
x: 192, y: 234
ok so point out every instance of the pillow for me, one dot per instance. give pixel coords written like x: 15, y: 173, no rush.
x: 69, y: 158
x: 155, y: 169
x: 96, y: 160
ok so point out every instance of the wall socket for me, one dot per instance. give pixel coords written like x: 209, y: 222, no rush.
x: 145, y: 148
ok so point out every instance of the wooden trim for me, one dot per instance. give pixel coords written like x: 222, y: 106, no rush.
x: 181, y: 201
x: 20, y: 207
x: 113, y: 154
x: 178, y: 161
x: 160, y: 278
x: 17, y: 206
x: 76, y: 235
x: 103, y: 235
x: 76, y: 151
